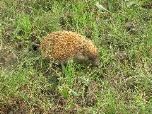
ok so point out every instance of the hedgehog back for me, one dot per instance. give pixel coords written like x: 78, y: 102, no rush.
x: 62, y: 45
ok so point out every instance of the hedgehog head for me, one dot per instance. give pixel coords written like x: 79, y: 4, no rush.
x: 91, y: 52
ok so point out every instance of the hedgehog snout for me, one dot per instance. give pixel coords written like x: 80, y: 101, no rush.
x: 96, y: 62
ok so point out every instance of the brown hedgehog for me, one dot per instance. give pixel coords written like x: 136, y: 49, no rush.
x: 64, y: 45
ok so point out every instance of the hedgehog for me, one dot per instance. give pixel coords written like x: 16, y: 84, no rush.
x: 62, y: 46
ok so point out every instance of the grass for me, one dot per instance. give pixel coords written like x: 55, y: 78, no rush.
x: 121, y: 85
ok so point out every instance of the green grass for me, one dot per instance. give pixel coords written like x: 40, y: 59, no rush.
x: 122, y: 84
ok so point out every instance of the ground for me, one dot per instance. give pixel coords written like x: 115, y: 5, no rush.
x: 122, y: 84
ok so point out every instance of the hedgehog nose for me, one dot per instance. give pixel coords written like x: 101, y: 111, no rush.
x: 96, y: 63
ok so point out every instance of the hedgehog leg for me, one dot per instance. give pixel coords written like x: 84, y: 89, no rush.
x: 63, y: 64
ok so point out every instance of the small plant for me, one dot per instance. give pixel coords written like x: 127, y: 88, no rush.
x: 68, y: 80
x: 23, y: 26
